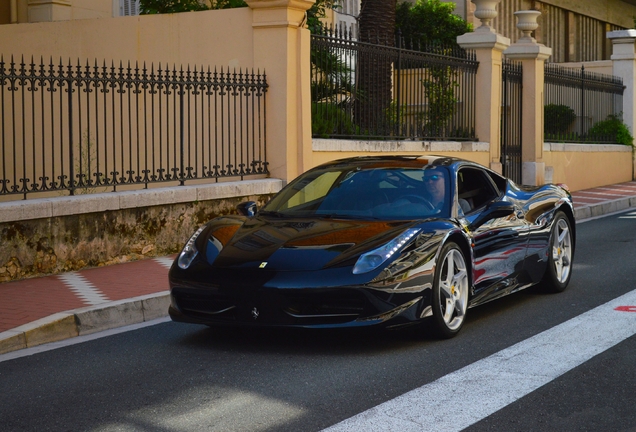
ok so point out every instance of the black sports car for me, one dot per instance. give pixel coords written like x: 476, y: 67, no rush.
x: 376, y: 241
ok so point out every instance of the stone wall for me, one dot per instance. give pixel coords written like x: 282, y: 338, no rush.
x: 60, y: 243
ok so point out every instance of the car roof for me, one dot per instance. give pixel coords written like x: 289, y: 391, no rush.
x: 398, y: 161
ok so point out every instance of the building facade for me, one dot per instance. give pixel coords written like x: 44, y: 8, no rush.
x: 576, y: 30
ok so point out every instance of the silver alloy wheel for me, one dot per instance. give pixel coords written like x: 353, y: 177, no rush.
x: 453, y: 287
x: 562, y: 251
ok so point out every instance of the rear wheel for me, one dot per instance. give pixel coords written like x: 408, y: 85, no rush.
x: 560, y: 253
x: 450, y: 291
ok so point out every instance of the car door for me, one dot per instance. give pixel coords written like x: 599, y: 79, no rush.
x: 499, y: 245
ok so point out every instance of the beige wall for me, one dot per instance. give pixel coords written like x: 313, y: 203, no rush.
x: 216, y: 38
x: 325, y: 150
x: 327, y: 156
x: 584, y: 166
x: 84, y: 9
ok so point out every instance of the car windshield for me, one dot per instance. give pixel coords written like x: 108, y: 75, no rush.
x: 366, y: 193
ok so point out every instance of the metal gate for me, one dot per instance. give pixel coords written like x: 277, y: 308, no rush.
x: 511, y: 98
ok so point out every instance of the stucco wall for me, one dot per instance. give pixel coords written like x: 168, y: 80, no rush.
x: 584, y: 166
x: 325, y: 150
x: 215, y: 38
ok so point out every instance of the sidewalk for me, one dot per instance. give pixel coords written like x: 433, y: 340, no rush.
x: 51, y: 308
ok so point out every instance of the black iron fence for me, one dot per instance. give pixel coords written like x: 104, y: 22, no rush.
x: 387, y: 90
x: 577, y: 102
x: 511, y: 118
x: 86, y: 129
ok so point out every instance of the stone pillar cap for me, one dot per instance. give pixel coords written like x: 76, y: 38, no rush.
x: 622, y: 34
x: 520, y: 51
x: 483, y: 39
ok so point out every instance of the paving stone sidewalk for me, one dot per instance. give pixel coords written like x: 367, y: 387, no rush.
x: 52, y: 308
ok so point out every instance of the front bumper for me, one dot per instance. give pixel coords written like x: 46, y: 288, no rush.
x: 306, y: 308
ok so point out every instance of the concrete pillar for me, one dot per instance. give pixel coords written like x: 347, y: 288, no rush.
x: 488, y: 47
x: 49, y: 10
x: 532, y: 56
x: 624, y: 66
x: 281, y: 49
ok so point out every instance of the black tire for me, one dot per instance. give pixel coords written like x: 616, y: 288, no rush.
x: 560, y: 255
x: 450, y: 292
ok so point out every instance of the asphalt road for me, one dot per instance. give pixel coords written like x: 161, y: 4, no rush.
x: 177, y: 377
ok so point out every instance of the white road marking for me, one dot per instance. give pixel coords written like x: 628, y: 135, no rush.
x: 471, y: 394
x: 83, y: 288
x: 165, y: 261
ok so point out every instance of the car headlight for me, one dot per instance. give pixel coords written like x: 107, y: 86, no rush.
x: 373, y: 259
x: 189, y: 251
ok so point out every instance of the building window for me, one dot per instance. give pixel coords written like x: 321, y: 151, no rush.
x: 128, y: 7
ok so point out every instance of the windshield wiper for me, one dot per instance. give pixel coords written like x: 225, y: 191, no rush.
x: 346, y: 216
x: 271, y: 213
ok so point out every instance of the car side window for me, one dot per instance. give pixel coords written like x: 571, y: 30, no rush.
x: 474, y: 189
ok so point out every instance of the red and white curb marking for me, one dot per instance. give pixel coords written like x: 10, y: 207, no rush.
x: 486, y: 386
x: 91, y: 294
x: 83, y: 288
x: 165, y: 261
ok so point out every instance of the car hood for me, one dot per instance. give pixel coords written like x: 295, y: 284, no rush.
x: 292, y: 244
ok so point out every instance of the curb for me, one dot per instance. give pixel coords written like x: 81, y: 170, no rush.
x: 84, y: 321
x: 604, y: 208
x: 105, y: 316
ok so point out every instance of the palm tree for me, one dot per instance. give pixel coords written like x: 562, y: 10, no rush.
x: 377, y: 26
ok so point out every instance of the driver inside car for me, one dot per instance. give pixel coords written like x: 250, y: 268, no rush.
x: 435, y: 187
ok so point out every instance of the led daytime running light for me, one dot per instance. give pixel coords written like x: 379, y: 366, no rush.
x: 189, y: 251
x: 373, y: 259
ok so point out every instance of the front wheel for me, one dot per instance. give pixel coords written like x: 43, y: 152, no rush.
x: 560, y: 253
x: 450, y: 291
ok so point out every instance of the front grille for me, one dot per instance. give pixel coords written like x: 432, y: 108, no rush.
x: 204, y: 304
x: 296, y: 307
x: 331, y: 305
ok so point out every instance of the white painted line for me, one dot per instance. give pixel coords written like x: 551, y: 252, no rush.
x: 25, y: 352
x: 471, y: 394
x: 165, y: 261
x: 83, y: 288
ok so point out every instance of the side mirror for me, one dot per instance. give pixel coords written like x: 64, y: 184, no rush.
x: 247, y: 208
x: 494, y: 210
